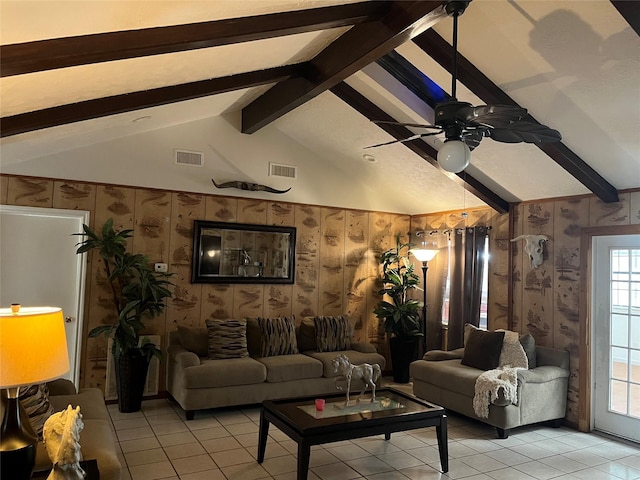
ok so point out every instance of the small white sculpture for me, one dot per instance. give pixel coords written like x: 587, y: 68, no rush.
x: 61, y: 435
x: 534, y: 245
x: 346, y: 370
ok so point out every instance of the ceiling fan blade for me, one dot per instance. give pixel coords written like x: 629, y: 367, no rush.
x: 498, y: 116
x: 525, y: 131
x: 412, y: 137
x: 414, y: 125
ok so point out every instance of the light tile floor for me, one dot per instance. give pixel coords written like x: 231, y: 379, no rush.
x: 157, y: 443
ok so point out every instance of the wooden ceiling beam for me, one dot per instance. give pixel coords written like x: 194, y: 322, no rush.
x: 29, y: 57
x: 440, y: 50
x: 630, y: 11
x: 352, y: 51
x: 368, y: 109
x: 128, y: 102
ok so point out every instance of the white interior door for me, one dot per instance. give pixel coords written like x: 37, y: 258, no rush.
x: 39, y: 267
x: 616, y: 323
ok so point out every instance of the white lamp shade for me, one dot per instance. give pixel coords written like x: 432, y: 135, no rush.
x: 423, y: 254
x: 454, y: 156
x: 33, y: 346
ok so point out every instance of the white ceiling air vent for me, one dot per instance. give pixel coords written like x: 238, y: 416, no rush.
x: 281, y: 170
x: 188, y: 157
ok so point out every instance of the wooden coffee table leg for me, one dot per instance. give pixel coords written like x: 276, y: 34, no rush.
x: 443, y: 446
x: 262, y: 436
x: 304, y: 451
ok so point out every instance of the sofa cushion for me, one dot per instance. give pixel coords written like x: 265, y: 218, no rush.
x: 278, y: 336
x: 225, y: 373
x: 36, y: 404
x: 307, y: 335
x: 483, y: 349
x: 90, y: 401
x: 355, y: 357
x: 227, y: 338
x: 447, y: 374
x: 194, y: 339
x: 283, y: 368
x: 333, y: 334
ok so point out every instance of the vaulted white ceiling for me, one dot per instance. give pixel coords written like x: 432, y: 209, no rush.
x: 573, y: 65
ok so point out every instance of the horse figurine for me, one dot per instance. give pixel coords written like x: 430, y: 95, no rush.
x: 369, y: 374
x: 61, y: 434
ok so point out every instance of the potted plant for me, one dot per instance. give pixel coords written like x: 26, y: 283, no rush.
x: 401, y: 314
x: 137, y: 293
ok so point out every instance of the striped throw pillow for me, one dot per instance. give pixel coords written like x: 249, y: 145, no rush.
x: 333, y: 334
x: 227, y: 338
x: 278, y: 336
x: 35, y: 401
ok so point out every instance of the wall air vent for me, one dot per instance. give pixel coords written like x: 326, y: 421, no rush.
x: 188, y: 157
x: 280, y: 170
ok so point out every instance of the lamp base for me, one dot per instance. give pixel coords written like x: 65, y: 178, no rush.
x: 18, y: 464
x: 17, y: 446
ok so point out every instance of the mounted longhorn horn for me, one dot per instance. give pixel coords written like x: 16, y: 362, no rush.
x: 534, y: 245
x: 253, y: 187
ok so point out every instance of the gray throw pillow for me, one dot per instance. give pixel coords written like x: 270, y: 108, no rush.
x: 194, y: 339
x: 529, y: 345
x: 483, y: 349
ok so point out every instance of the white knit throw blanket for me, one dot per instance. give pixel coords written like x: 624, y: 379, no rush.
x: 512, y: 359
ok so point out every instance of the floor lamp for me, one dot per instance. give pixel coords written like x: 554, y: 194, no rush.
x: 424, y: 255
x: 33, y: 349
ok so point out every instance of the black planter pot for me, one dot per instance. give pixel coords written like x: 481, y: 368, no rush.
x: 403, y: 352
x: 131, y: 376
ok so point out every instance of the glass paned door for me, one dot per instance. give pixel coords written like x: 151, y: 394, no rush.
x: 617, y: 335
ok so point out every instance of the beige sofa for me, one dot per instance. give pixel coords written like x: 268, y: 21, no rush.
x: 197, y: 382
x: 541, y: 391
x: 97, y: 439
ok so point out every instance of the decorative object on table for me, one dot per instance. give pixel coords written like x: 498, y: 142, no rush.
x: 137, y: 293
x: 401, y: 314
x: 369, y: 374
x: 33, y: 349
x: 62, y: 440
x: 424, y: 255
x: 252, y: 187
x: 533, y: 247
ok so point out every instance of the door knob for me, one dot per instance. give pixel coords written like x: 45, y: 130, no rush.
x: 68, y: 319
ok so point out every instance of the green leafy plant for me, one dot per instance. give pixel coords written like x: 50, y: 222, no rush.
x: 138, y: 292
x: 401, y: 314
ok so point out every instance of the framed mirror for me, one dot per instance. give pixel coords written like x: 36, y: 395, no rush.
x: 242, y: 253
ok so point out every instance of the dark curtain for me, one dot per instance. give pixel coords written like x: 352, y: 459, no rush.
x: 467, y: 265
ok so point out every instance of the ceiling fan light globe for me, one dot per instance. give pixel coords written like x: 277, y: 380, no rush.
x: 454, y: 156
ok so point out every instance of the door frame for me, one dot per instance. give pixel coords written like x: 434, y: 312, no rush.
x: 81, y: 266
x: 585, y: 374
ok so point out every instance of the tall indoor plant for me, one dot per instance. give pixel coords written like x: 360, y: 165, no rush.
x: 137, y: 293
x: 401, y: 314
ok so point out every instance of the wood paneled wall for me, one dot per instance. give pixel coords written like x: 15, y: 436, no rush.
x: 336, y: 260
x: 336, y: 256
x: 546, y: 300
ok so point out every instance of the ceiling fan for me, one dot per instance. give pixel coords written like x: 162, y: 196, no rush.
x: 464, y: 125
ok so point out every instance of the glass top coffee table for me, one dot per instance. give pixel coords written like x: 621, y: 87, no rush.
x: 393, y: 411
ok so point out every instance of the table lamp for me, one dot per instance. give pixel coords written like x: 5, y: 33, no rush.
x: 33, y: 349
